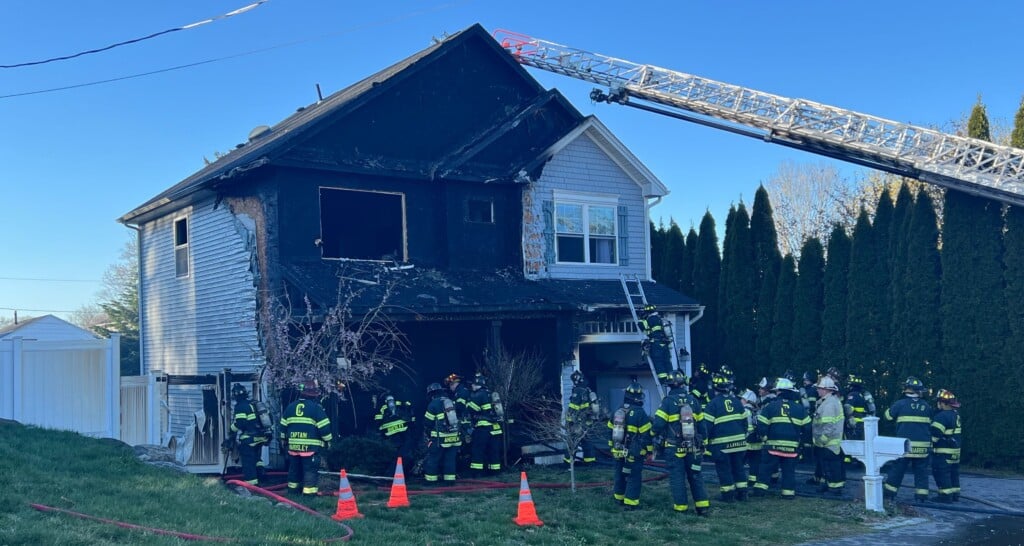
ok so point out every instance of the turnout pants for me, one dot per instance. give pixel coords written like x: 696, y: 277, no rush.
x: 770, y: 464
x: 899, y: 468
x: 302, y: 472
x: 440, y: 458
x: 831, y: 468
x: 752, y: 458
x: 628, y: 480
x: 249, y: 456
x: 683, y: 469
x: 732, y: 481
x: 486, y: 447
x: 946, y: 471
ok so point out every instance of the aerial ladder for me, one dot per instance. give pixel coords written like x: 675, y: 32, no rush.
x: 955, y: 162
x: 633, y: 287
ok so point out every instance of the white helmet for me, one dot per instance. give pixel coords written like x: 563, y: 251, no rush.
x: 826, y: 382
x: 783, y: 384
x: 748, y: 396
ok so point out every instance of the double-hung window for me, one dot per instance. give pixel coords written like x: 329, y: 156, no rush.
x: 585, y: 229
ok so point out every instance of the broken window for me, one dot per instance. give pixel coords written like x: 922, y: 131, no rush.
x: 480, y: 211
x: 585, y: 232
x: 181, y: 247
x: 362, y: 225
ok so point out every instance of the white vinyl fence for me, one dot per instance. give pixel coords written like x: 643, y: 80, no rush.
x: 66, y: 385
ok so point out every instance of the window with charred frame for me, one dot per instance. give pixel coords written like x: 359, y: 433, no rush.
x: 362, y: 225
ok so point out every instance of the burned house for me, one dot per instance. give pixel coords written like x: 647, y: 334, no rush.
x: 509, y: 218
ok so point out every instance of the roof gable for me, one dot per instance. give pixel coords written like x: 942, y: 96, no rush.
x: 408, y: 118
x: 46, y: 327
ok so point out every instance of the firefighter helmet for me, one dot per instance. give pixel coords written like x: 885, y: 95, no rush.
x: 238, y: 390
x: 784, y: 384
x: 703, y: 369
x: 788, y: 374
x: 913, y: 385
x: 854, y: 381
x: 826, y: 382
x: 766, y: 384
x: 479, y: 381
x: 452, y: 378
x: 748, y: 396
x: 676, y: 378
x: 721, y: 382
x: 650, y: 308
x: 434, y: 389
x: 727, y: 372
x: 309, y: 388
x: 577, y: 378
x: 634, y: 394
x: 834, y: 373
x: 810, y: 377
x: 948, y: 398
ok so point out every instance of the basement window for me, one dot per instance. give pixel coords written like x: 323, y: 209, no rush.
x: 480, y: 211
x: 362, y: 225
x: 181, y: 247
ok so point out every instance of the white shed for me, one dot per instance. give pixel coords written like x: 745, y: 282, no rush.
x: 46, y: 328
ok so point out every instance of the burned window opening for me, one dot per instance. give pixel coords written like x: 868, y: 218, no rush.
x: 362, y: 225
x: 480, y: 211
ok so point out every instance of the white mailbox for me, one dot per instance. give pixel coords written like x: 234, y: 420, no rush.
x: 874, y: 451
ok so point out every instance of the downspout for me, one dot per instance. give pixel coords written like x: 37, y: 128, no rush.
x: 647, y: 232
x: 152, y: 417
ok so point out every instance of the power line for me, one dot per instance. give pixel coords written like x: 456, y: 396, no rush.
x: 35, y: 279
x: 136, y: 40
x: 35, y: 310
x: 246, y: 53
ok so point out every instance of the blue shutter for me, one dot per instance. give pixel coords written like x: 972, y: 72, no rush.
x: 623, y: 235
x: 549, y: 231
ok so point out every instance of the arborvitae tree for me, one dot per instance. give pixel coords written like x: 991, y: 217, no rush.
x: 882, y: 228
x: 1014, y: 273
x: 808, y: 304
x: 738, y: 288
x: 686, y: 271
x: 726, y: 251
x: 833, y: 318
x: 974, y: 328
x: 863, y: 316
x: 919, y: 341
x: 675, y: 255
x: 707, y: 268
x: 657, y: 251
x: 767, y: 258
x: 763, y: 365
x: 782, y: 322
x: 898, y: 235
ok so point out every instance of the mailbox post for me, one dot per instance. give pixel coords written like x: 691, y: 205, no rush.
x: 874, y: 451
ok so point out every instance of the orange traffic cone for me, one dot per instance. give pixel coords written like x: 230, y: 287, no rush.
x: 527, y: 512
x: 399, y: 498
x: 347, y: 508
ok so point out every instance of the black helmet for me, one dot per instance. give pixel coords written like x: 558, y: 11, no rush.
x: 650, y: 308
x: 788, y: 374
x: 577, y: 378
x: 721, y: 382
x: 479, y: 380
x: 726, y: 371
x: 676, y: 378
x: 434, y: 389
x: 810, y: 376
x: 634, y: 394
x: 309, y: 389
x: 238, y: 390
x: 913, y: 385
x: 854, y: 381
x: 703, y: 369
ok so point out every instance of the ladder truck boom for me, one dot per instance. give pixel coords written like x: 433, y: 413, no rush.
x: 960, y: 163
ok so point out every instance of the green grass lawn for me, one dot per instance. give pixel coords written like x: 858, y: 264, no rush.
x: 102, y: 478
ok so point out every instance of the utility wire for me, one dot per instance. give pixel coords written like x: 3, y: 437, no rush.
x: 236, y: 55
x: 35, y: 310
x: 33, y: 279
x: 238, y: 11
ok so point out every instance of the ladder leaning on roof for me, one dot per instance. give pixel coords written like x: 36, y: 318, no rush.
x: 636, y: 296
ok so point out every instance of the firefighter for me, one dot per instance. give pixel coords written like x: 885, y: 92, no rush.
x: 913, y: 418
x: 700, y: 384
x: 486, y: 415
x: 395, y: 421
x: 584, y: 410
x: 859, y: 404
x: 783, y: 423
x: 680, y: 421
x: 658, y: 344
x: 305, y: 433
x: 441, y: 425
x: 250, y: 434
x: 459, y: 395
x: 808, y: 453
x: 730, y: 376
x: 727, y: 438
x: 752, y: 458
x: 827, y: 431
x: 945, y: 429
x: 631, y: 443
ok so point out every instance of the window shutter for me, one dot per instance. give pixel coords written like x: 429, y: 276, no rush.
x: 623, y: 235
x: 549, y: 231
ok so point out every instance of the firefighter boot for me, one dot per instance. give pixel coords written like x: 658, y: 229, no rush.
x: 728, y: 496
x: 702, y: 512
x: 741, y: 494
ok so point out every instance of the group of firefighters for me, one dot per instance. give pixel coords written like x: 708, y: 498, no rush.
x: 754, y: 439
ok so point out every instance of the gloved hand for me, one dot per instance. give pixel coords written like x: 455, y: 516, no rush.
x: 618, y: 453
x: 650, y: 458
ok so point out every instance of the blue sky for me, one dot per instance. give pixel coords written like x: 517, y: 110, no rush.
x: 73, y: 161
